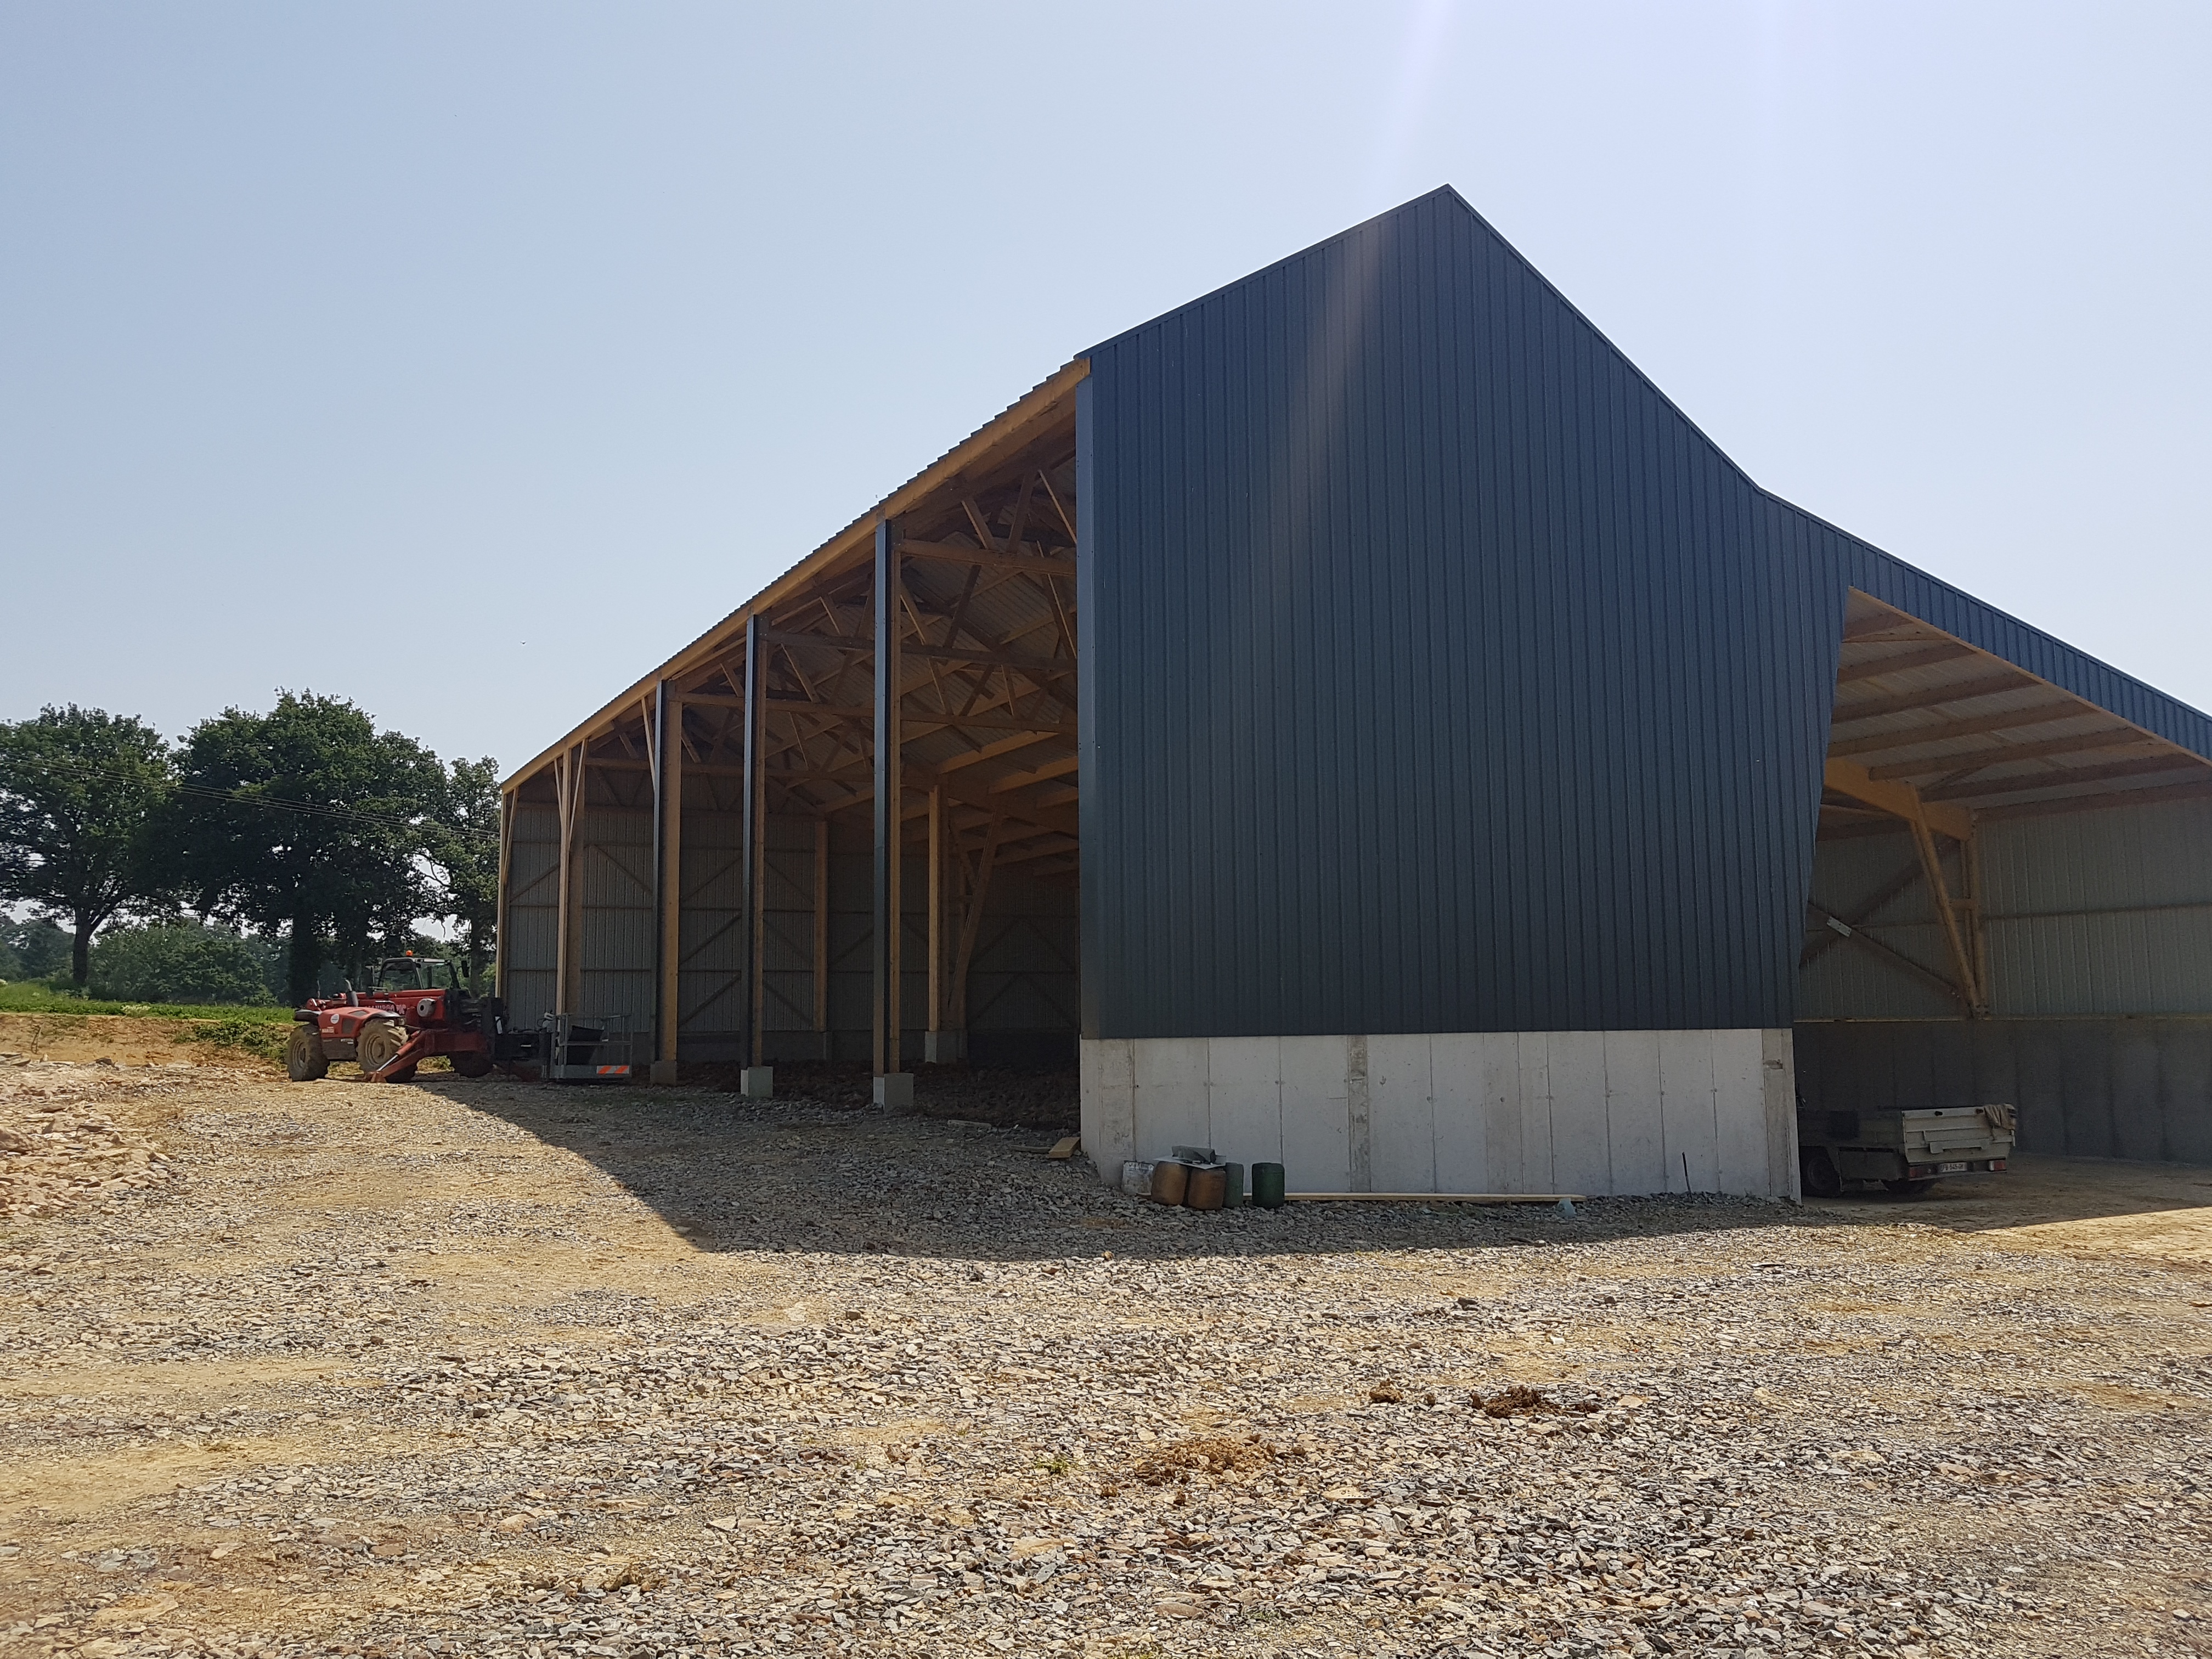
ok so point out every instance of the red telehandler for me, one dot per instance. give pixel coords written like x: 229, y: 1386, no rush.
x: 415, y: 1007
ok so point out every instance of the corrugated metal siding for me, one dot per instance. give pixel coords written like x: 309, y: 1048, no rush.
x: 788, y: 951
x: 1849, y: 981
x: 2102, y: 912
x: 1024, y: 976
x: 2086, y: 1088
x: 528, y: 955
x: 1439, y: 675
x: 710, y: 974
x: 2088, y: 912
x: 614, y: 862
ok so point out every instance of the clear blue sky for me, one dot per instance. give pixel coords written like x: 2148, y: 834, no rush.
x: 466, y: 359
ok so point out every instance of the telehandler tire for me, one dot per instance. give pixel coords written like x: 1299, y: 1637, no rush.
x: 304, y: 1059
x: 380, y: 1040
x: 471, y: 1062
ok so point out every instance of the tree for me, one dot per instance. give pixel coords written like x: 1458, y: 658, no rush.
x: 79, y: 792
x: 31, y: 949
x: 176, y: 962
x: 309, y: 819
x: 464, y: 845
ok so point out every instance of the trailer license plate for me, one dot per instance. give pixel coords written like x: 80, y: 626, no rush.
x: 1950, y: 1169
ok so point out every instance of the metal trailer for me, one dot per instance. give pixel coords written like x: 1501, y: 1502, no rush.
x: 586, y: 1048
x: 1907, y: 1151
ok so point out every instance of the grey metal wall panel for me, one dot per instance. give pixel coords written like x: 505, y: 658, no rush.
x: 614, y: 863
x: 710, y: 976
x: 1847, y: 979
x: 529, y: 953
x: 1440, y: 676
x: 2085, y: 1088
x: 2102, y: 912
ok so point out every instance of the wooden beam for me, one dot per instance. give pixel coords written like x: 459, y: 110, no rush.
x: 919, y: 721
x: 2151, y: 797
x: 964, y: 654
x: 1045, y: 773
x: 825, y: 642
x: 1890, y: 953
x: 1881, y: 901
x: 974, y: 792
x: 2177, y: 761
x: 947, y: 553
x: 1051, y: 850
x: 1933, y: 697
x: 1900, y: 799
x: 1926, y: 657
x: 1884, y: 620
x: 1962, y: 962
x: 1998, y: 754
x: 991, y: 751
x: 2011, y: 720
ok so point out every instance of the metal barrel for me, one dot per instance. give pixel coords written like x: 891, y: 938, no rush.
x: 1206, y: 1188
x: 1267, y: 1185
x: 1169, y: 1181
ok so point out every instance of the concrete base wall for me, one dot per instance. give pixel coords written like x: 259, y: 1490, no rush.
x: 1598, y: 1112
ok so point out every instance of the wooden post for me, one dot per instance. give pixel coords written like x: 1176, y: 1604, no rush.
x: 889, y: 817
x: 1931, y: 867
x: 1971, y: 851
x: 821, y: 932
x: 665, y: 749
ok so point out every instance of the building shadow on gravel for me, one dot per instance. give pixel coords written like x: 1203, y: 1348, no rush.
x: 806, y: 1176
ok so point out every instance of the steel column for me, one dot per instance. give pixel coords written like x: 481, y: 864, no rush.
x: 755, y: 796
x: 499, y: 942
x: 569, y: 971
x: 885, y: 954
x: 822, y: 932
x: 665, y: 749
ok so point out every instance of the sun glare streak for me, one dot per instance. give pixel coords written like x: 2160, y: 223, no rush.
x: 1419, y: 60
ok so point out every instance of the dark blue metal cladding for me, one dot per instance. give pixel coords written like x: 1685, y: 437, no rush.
x: 1440, y: 676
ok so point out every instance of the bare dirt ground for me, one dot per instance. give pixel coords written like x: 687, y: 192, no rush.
x: 484, y: 1368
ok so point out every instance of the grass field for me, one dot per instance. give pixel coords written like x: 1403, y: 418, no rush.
x: 30, y: 997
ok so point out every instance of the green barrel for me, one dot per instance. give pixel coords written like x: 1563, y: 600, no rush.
x: 1267, y: 1185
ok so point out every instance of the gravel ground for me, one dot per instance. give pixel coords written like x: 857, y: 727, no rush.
x: 482, y: 1368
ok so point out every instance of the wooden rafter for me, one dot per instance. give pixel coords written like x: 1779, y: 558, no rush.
x: 1932, y: 696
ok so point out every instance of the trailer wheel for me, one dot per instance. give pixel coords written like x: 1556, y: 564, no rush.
x: 1819, y: 1170
x: 380, y: 1040
x: 1909, y: 1188
x: 471, y: 1062
x: 304, y: 1059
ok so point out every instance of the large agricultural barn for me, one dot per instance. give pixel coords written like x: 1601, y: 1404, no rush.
x: 1370, y: 726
